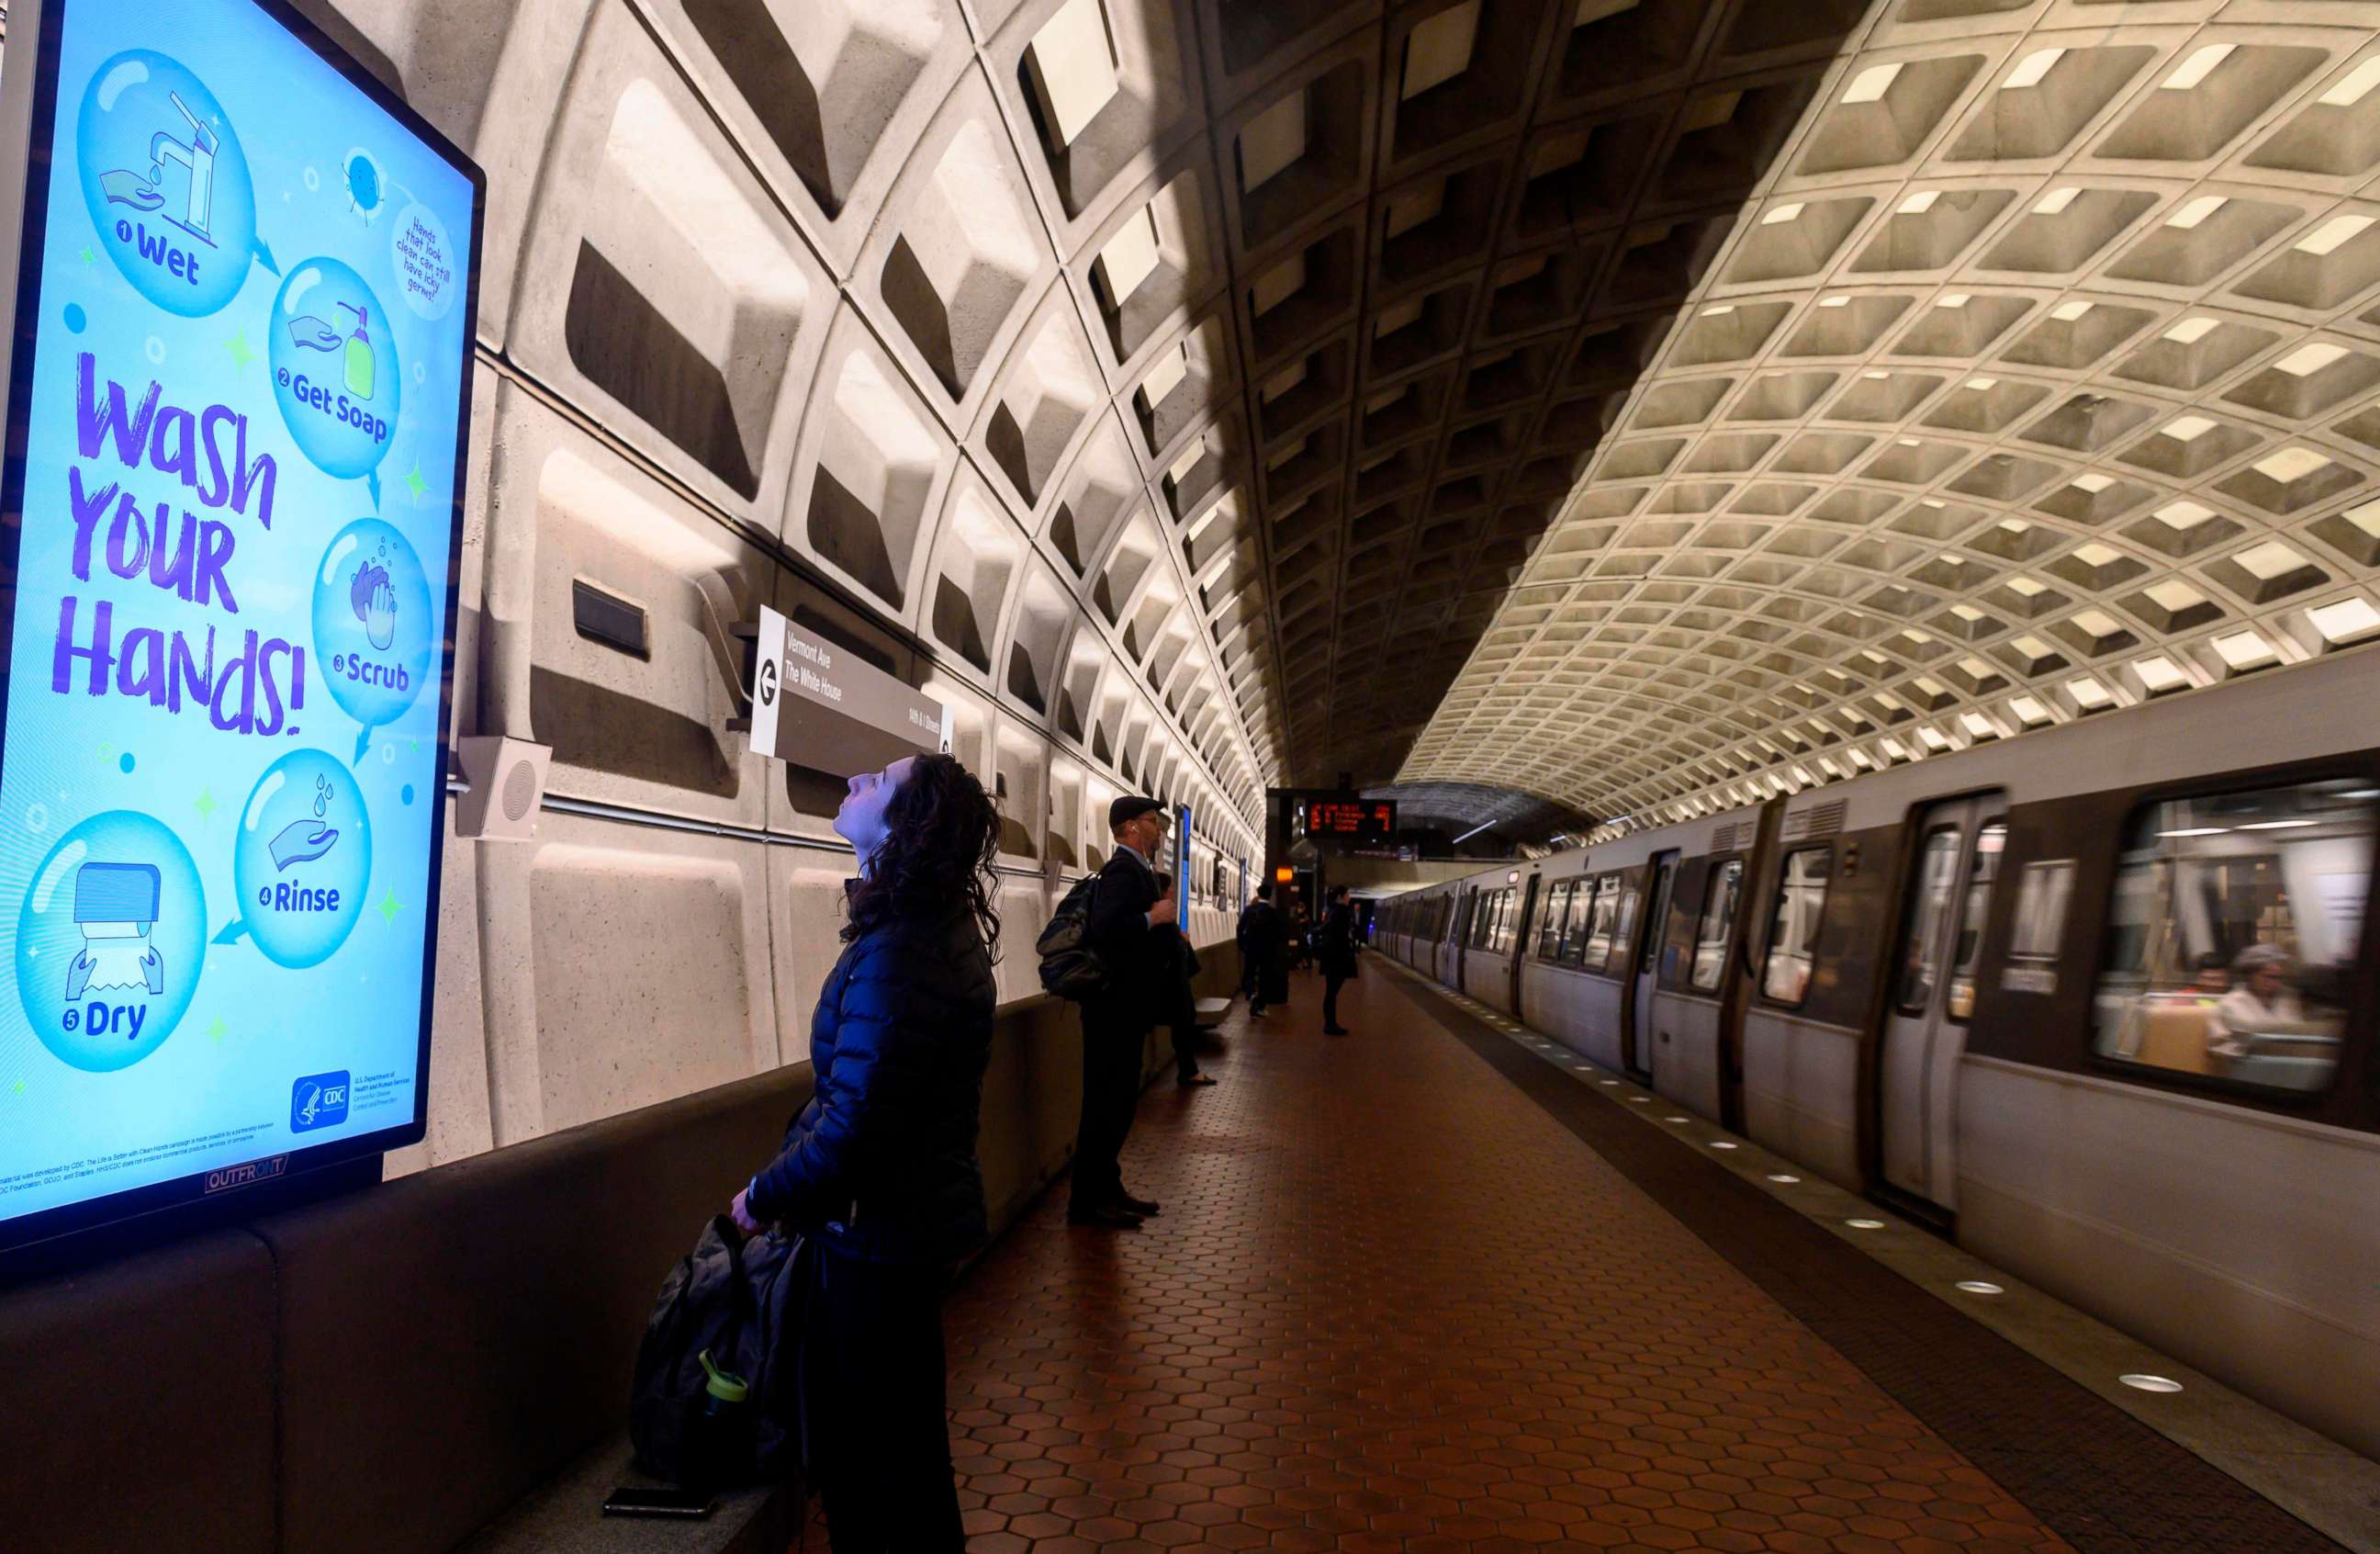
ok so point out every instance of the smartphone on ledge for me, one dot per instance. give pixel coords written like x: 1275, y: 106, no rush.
x: 627, y: 1501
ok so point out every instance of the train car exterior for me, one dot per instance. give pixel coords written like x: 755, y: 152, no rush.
x: 2099, y: 1002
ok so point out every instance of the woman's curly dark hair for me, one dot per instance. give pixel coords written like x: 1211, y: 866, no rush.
x: 942, y: 834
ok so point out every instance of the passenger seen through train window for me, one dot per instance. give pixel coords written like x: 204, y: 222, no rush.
x: 1793, y: 927
x: 1718, y: 922
x: 1927, y: 925
x: 2274, y: 883
x: 1972, y: 914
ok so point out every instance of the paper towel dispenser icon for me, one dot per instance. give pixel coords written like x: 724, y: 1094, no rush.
x: 117, y: 892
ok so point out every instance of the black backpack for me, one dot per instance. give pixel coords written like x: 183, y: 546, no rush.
x: 1070, y: 968
x: 742, y: 1302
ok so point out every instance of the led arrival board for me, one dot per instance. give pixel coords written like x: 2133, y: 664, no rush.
x: 1352, y: 819
x: 238, y: 406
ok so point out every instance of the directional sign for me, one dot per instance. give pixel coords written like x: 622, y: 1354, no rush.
x: 826, y: 707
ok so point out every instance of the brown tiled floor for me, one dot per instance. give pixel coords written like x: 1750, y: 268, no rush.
x: 1392, y: 1304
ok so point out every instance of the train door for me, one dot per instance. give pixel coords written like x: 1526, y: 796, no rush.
x: 1458, y: 942
x: 1521, y: 932
x: 1651, y: 931
x: 1933, y: 993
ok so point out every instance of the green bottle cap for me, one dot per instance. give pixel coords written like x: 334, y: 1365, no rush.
x: 724, y: 1385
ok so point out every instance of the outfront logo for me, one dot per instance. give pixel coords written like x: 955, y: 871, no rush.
x: 319, y: 1100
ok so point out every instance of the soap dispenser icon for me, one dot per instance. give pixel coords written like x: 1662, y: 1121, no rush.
x: 359, y: 352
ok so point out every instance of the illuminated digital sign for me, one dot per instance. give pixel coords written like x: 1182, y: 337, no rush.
x: 1347, y: 819
x: 238, y: 414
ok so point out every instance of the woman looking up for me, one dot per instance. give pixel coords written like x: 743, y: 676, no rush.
x: 879, y: 1170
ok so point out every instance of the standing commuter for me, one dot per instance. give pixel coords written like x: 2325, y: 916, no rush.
x: 1127, y: 910
x: 879, y: 1170
x: 1261, y: 950
x: 1334, y: 946
x: 1181, y: 999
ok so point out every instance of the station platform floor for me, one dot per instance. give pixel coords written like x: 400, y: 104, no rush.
x: 1415, y: 1289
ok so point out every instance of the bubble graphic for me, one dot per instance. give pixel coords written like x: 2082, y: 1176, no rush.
x: 372, y: 626
x: 77, y: 320
x: 301, y: 859
x: 115, y: 928
x: 423, y: 257
x: 166, y: 183
x: 404, y: 794
x: 125, y: 762
x: 155, y: 350
x: 335, y: 369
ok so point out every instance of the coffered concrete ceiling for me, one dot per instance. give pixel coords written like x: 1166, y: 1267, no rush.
x: 2038, y: 378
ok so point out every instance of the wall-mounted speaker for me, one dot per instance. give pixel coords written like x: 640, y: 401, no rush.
x: 507, y: 785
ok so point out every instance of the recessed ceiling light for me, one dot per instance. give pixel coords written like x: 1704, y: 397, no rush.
x: 2353, y: 86
x: 1781, y: 1176
x: 2306, y: 360
x: 1980, y: 1287
x: 1872, y: 83
x: 1865, y: 1224
x: 2198, y: 67
x: 2029, y: 73
x: 2197, y: 830
x: 2150, y: 1383
x: 2348, y: 620
x: 2333, y: 235
x: 1721, y: 1144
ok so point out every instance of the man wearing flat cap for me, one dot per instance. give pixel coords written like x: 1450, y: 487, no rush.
x: 1127, y: 913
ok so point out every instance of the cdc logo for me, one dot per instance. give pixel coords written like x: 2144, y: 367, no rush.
x: 319, y: 1100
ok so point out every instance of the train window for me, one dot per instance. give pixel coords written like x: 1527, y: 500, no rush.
x: 1718, y: 923
x: 1973, y: 911
x: 1623, y: 930
x: 2236, y: 925
x: 1604, y: 908
x: 1508, y: 919
x: 1793, y: 926
x: 1923, y: 930
x: 2041, y: 896
x: 1549, y: 932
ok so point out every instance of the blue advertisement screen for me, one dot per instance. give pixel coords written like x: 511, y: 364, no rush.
x: 232, y: 513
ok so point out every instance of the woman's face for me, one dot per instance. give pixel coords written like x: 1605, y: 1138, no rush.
x: 2265, y: 981
x: 860, y: 820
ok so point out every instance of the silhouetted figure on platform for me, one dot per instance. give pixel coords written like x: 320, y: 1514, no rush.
x: 1334, y: 947
x: 1264, y: 972
x: 1128, y: 909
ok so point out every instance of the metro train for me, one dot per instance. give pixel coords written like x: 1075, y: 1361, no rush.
x: 2097, y: 1001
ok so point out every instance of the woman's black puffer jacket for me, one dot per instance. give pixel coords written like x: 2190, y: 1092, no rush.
x: 881, y: 1163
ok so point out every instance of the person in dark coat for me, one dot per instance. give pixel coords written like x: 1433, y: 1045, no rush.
x: 1181, y: 1004
x: 880, y: 1169
x: 1127, y: 911
x: 1334, y: 947
x: 1262, y: 953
